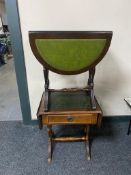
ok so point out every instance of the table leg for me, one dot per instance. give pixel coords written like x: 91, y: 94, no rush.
x: 128, y: 132
x: 50, y: 133
x: 87, y: 143
x: 99, y: 120
x: 40, y: 122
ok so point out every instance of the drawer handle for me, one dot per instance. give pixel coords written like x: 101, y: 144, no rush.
x: 70, y: 119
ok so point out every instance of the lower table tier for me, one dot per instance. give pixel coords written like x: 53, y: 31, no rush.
x: 66, y: 115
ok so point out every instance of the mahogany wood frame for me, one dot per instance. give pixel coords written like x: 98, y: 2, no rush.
x: 84, y: 138
x: 68, y: 117
x: 70, y: 35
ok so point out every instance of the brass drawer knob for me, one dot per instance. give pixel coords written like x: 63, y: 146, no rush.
x: 70, y: 119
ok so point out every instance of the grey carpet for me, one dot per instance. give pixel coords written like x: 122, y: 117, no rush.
x: 9, y: 98
x: 23, y: 151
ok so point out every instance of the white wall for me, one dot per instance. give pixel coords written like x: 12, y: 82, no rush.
x: 112, y: 80
x: 3, y: 12
x: 1, y: 26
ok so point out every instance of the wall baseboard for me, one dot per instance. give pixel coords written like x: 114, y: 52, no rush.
x: 119, y: 118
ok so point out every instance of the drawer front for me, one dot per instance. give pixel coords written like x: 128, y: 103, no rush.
x: 73, y: 119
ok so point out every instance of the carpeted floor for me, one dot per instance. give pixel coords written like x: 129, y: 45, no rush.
x: 23, y: 151
x: 9, y: 98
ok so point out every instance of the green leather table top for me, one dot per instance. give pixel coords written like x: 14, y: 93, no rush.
x: 78, y: 100
x: 70, y: 54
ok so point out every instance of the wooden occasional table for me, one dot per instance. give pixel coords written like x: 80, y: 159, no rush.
x: 69, y: 108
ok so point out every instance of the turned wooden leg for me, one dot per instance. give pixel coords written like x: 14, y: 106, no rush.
x: 91, y: 86
x: 99, y: 120
x: 40, y: 122
x: 128, y: 132
x: 46, y: 72
x: 50, y: 133
x: 93, y: 99
x: 87, y: 143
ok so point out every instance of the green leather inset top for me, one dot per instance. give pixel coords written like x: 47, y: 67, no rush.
x: 69, y: 100
x: 70, y: 54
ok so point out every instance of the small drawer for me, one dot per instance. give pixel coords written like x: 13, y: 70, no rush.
x: 73, y: 119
